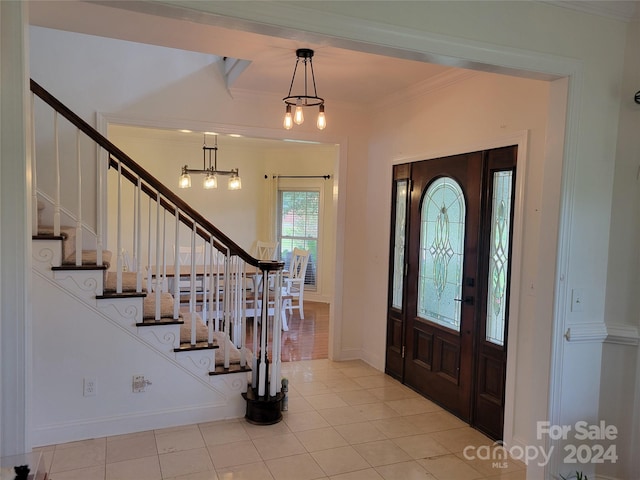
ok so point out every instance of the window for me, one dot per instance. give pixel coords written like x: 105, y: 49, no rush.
x: 298, y: 227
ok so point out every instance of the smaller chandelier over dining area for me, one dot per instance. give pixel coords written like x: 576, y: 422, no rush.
x: 303, y: 98
x: 210, y: 170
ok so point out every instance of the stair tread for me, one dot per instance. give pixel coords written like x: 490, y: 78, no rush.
x: 150, y: 322
x: 187, y: 347
x: 233, y: 368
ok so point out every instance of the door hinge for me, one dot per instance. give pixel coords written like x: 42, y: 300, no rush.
x: 403, y: 351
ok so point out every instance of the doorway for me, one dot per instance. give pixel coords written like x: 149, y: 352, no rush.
x: 447, y: 319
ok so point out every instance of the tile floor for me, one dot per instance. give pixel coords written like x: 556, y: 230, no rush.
x: 346, y: 421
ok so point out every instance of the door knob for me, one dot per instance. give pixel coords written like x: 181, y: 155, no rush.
x: 465, y: 300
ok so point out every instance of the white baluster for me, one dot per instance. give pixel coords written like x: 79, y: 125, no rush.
x: 137, y: 260
x: 150, y: 278
x: 34, y: 183
x: 56, y: 200
x: 213, y: 307
x: 164, y: 251
x: 192, y: 285
x: 79, y: 217
x: 262, y: 375
x: 243, y: 317
x: 119, y: 231
x: 275, y: 385
x: 254, y: 357
x: 227, y: 315
x: 157, y: 265
x: 100, y: 207
x: 176, y: 268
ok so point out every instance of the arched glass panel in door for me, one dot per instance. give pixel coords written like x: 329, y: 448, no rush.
x: 441, y: 253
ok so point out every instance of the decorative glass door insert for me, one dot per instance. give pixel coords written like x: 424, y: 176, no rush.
x: 442, y: 253
x: 399, y: 243
x: 499, y: 256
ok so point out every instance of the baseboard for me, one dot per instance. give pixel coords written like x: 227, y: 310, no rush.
x: 123, y: 424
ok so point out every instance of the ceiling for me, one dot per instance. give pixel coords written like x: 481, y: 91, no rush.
x: 342, y: 75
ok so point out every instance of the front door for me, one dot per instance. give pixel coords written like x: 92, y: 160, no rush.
x: 446, y: 337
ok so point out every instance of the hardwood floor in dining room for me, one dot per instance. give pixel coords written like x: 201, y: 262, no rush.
x: 306, y: 339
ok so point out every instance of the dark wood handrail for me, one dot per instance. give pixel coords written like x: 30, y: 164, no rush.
x: 150, y: 180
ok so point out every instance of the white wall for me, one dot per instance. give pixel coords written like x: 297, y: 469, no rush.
x: 506, y: 34
x: 243, y: 215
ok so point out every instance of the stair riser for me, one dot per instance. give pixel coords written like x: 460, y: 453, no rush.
x: 86, y: 284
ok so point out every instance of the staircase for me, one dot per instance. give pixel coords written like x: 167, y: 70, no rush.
x: 105, y: 319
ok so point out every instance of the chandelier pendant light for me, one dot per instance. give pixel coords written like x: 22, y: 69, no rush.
x: 210, y: 170
x: 303, y: 99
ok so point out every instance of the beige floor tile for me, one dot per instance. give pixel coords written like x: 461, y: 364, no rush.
x: 235, y: 453
x: 404, y: 471
x: 298, y: 405
x: 147, y: 468
x: 310, y: 388
x: 376, y: 411
x: 278, y: 446
x: 340, y: 460
x: 47, y: 455
x: 89, y: 473
x: 495, y: 465
x: 361, y: 371
x: 321, y: 439
x: 342, y: 415
x: 375, y: 381
x: 391, y: 392
x: 260, y: 431
x: 341, y: 384
x: 210, y: 475
x: 249, y: 471
x: 225, y: 432
x: 83, y: 454
x: 381, y: 452
x: 90, y: 443
x: 455, y: 440
x: 421, y: 446
x: 295, y: 467
x: 362, y: 432
x: 435, y: 421
x: 450, y: 467
x: 326, y: 400
x: 519, y: 475
x: 128, y: 447
x: 298, y: 422
x: 177, y: 439
x: 185, y: 462
x: 367, y: 474
x: 413, y: 406
x: 397, y: 427
x: 358, y: 397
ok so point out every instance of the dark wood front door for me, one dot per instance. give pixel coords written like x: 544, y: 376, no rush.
x: 446, y: 332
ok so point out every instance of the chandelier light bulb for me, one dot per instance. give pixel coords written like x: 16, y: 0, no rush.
x: 185, y: 180
x: 288, y: 119
x: 322, y: 121
x: 299, y: 115
x: 234, y: 182
x: 210, y: 182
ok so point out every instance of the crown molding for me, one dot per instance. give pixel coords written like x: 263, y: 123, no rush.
x: 625, y: 10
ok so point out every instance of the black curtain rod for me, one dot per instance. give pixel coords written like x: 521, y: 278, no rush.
x: 326, y: 177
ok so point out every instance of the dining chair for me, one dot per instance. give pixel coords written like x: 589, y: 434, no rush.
x: 266, y: 250
x: 294, y: 282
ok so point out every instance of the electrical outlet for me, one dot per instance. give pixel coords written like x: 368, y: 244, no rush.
x: 139, y: 383
x: 89, y: 387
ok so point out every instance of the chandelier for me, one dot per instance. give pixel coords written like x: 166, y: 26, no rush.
x: 303, y: 98
x: 210, y: 170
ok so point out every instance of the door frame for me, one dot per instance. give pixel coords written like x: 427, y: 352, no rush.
x: 520, y: 139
